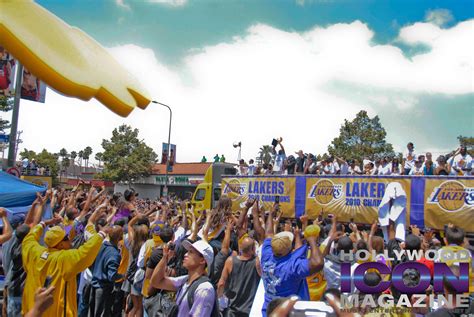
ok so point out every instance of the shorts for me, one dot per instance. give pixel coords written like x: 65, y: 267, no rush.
x: 126, y: 286
x: 14, y: 306
x: 130, y: 288
x: 135, y: 291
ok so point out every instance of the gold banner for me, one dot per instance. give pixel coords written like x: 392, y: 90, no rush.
x: 264, y: 189
x: 449, y: 201
x: 350, y: 198
x: 45, y: 181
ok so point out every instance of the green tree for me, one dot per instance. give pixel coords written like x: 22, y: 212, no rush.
x: 27, y: 154
x: 6, y: 104
x: 99, y: 156
x: 50, y: 160
x: 86, y: 155
x: 468, y: 141
x: 80, y: 155
x: 361, y: 138
x: 265, y: 154
x: 73, y: 156
x: 63, y: 153
x: 64, y: 160
x: 44, y: 159
x: 126, y: 158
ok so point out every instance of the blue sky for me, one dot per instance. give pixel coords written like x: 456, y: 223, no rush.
x: 183, y: 39
x: 173, y: 30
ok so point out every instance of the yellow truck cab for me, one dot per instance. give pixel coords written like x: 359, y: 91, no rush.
x: 207, y: 193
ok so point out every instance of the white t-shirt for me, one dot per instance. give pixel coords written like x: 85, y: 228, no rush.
x: 242, y: 170
x: 385, y: 169
x: 409, y: 163
x: 331, y: 168
x: 416, y: 170
x: 354, y: 171
x: 251, y: 169
x: 278, y: 166
x: 463, y: 163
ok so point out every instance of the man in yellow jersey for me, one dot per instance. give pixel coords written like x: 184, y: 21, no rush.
x: 59, y: 262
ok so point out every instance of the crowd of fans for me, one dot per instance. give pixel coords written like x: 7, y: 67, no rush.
x: 32, y: 168
x: 456, y: 163
x: 115, y: 255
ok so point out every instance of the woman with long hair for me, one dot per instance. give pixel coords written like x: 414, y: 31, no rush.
x: 137, y: 236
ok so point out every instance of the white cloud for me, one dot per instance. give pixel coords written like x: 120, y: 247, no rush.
x: 439, y: 16
x: 174, y: 3
x: 265, y: 84
x: 306, y: 2
x: 122, y: 4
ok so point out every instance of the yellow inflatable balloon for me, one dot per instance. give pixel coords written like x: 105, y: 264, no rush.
x: 311, y: 231
x: 66, y: 58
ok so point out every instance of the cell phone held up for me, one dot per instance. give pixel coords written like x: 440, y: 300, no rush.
x: 47, y: 281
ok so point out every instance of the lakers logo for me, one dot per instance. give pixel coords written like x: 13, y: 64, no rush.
x: 234, y: 188
x: 452, y: 196
x: 324, y: 191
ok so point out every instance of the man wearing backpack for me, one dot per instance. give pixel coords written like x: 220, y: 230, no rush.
x: 195, y: 294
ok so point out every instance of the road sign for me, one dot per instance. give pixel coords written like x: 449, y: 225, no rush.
x: 14, y: 171
x: 4, y: 138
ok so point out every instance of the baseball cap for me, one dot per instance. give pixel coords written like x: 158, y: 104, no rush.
x: 54, y: 236
x: 16, y: 219
x: 203, y: 248
x: 155, y: 230
x: 282, y: 243
x: 128, y: 193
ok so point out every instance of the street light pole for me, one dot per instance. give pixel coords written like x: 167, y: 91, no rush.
x: 168, y: 150
x: 16, y: 110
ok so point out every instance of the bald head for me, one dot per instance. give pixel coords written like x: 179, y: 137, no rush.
x: 116, y: 234
x: 247, y: 246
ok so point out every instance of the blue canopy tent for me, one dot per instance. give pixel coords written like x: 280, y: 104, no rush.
x: 17, y: 195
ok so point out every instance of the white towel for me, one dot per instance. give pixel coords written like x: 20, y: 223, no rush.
x: 393, y: 207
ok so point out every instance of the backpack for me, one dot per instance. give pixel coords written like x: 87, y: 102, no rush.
x: 189, y: 293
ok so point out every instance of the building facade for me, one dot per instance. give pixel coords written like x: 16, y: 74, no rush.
x: 182, y: 181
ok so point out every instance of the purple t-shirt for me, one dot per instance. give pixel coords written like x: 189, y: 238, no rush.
x: 122, y: 213
x: 204, y: 298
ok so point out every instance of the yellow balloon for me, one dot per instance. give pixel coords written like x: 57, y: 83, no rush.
x: 66, y: 58
x: 312, y: 231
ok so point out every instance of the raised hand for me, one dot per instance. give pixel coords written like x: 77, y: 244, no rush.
x: 54, y: 221
x: 415, y: 230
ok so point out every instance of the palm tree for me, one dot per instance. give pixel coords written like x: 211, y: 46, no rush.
x: 265, y: 153
x: 73, y: 158
x: 81, y: 156
x: 64, y: 155
x: 99, y: 156
x: 86, y: 154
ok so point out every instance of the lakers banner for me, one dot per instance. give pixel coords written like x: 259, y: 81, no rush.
x: 449, y: 201
x: 267, y: 190
x: 44, y: 181
x: 352, y: 198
